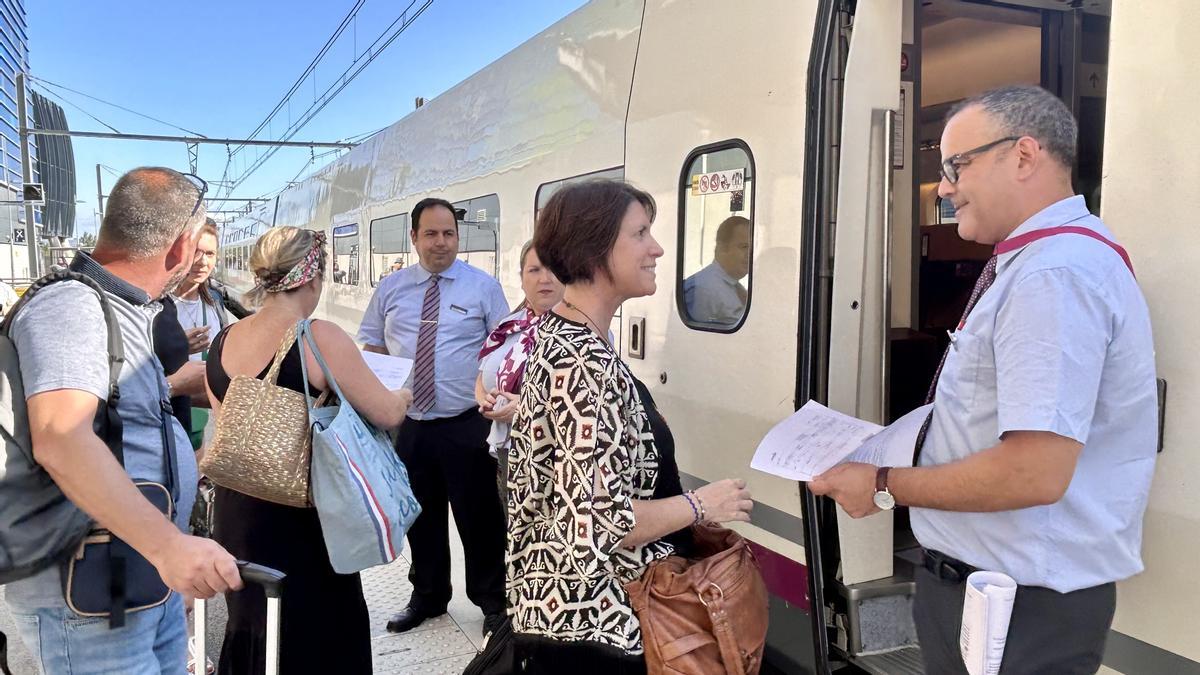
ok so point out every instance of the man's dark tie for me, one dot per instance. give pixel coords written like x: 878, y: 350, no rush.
x: 986, y: 278
x: 424, y: 392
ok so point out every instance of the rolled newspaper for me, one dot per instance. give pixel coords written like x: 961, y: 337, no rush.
x: 987, y: 608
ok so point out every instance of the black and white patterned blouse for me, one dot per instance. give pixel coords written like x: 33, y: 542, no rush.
x: 582, y: 450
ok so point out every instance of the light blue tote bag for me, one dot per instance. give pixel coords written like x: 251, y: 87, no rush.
x: 359, y: 485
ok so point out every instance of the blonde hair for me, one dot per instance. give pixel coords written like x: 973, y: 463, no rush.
x: 275, y: 253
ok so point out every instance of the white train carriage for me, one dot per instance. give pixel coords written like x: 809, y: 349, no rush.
x: 818, y: 121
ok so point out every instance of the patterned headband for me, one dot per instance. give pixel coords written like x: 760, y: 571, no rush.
x: 305, y: 271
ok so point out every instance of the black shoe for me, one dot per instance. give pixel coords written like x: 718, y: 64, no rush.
x: 408, y: 619
x: 492, y: 622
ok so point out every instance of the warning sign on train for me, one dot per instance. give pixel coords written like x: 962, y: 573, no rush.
x: 718, y: 181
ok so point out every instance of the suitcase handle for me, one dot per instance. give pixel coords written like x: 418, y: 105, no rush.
x: 271, y: 580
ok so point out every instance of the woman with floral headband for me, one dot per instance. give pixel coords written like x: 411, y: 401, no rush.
x: 325, y: 628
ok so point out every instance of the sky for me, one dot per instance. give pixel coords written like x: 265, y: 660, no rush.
x: 218, y: 67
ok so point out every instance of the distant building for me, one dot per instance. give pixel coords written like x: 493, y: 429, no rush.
x: 14, y: 58
x: 56, y: 166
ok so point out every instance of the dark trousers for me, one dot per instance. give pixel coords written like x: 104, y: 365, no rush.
x: 1050, y: 632
x: 448, y: 463
x: 537, y: 655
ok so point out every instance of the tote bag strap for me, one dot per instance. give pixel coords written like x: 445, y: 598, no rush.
x: 304, y: 338
x: 285, y: 346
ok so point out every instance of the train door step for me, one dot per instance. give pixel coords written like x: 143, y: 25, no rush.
x: 904, y: 661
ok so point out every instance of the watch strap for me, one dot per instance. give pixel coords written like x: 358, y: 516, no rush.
x: 881, y: 477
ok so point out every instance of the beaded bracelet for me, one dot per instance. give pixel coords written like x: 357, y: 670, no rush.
x: 690, y: 497
x: 691, y: 494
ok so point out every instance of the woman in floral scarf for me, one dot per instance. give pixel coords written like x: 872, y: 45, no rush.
x: 502, y: 359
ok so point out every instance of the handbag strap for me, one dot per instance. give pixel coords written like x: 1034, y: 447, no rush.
x: 713, y: 599
x: 285, y: 346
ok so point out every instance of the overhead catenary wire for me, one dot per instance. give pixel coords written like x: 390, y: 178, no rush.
x: 114, y: 105
x: 80, y: 108
x: 342, y: 82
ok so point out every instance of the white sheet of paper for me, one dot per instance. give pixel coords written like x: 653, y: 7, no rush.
x: 392, y: 371
x: 987, y: 608
x: 810, y: 442
x: 894, y: 444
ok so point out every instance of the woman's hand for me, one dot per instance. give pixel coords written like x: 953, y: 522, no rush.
x: 502, y: 408
x: 726, y: 500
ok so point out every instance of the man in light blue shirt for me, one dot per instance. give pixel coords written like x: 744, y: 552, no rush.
x: 1041, y: 445
x: 438, y: 313
x: 715, y: 296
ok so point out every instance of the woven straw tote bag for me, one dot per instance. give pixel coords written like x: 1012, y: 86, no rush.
x: 262, y: 445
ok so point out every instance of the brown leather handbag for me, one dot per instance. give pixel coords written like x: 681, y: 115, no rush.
x: 704, y: 616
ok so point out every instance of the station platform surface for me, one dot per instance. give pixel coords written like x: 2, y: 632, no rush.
x: 441, y: 646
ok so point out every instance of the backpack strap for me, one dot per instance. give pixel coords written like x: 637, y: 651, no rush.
x: 107, y: 424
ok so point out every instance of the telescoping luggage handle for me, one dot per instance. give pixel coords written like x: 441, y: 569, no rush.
x: 272, y: 583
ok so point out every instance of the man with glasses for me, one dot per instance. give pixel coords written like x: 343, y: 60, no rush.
x: 1038, y: 456
x: 145, y: 247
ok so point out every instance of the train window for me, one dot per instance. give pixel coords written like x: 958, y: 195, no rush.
x: 546, y: 190
x: 477, y: 232
x: 345, y: 254
x: 390, y: 245
x: 716, y: 237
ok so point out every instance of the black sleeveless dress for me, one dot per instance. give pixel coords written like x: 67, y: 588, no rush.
x: 325, y: 625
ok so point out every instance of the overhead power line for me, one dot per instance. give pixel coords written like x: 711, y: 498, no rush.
x: 387, y: 37
x: 346, y: 20
x: 114, y: 105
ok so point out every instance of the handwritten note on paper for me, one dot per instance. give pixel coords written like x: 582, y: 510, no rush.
x: 894, y: 444
x: 392, y: 371
x: 810, y: 442
x: 814, y: 439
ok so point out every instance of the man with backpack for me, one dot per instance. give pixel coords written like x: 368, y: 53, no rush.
x: 98, y: 425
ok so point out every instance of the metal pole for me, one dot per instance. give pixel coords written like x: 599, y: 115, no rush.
x: 31, y: 237
x: 99, y: 195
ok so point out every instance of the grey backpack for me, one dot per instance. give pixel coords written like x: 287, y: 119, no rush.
x: 39, y: 526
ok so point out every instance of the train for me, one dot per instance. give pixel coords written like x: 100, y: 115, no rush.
x: 818, y: 121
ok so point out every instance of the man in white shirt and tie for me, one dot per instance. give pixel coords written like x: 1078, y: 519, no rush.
x: 1042, y: 441
x: 438, y: 313
x: 715, y: 295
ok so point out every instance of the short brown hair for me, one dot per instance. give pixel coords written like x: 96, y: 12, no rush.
x: 578, y: 227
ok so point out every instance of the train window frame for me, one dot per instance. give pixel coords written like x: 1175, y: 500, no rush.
x: 354, y: 268
x: 684, y: 188
x: 464, y: 205
x: 560, y: 182
x: 406, y: 251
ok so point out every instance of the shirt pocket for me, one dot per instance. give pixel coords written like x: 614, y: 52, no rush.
x: 462, y: 320
x: 970, y: 369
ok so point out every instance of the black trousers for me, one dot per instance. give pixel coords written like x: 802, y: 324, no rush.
x: 1050, y: 632
x: 537, y: 655
x: 448, y: 464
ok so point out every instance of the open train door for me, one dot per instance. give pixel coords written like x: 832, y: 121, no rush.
x: 847, y: 317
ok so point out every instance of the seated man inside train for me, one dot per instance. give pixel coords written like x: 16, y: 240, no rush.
x: 715, y: 295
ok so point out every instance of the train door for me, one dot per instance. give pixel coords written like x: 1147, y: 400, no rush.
x: 716, y: 133
x: 901, y: 275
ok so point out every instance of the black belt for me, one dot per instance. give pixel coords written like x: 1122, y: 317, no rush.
x: 467, y: 414
x: 946, y: 568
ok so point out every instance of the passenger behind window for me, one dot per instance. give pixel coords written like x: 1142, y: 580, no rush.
x: 715, y: 294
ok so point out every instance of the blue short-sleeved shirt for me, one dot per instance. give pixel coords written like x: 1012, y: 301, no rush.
x: 1061, y: 342
x: 472, y: 303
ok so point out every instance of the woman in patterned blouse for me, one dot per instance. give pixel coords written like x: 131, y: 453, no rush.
x: 583, y: 464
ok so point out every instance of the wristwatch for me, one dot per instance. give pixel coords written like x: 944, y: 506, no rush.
x: 883, y: 496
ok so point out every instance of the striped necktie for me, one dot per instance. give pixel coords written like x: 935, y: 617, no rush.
x: 986, y: 278
x: 424, y: 393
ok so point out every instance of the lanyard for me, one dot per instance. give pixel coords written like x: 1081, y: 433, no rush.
x: 1009, y: 245
x: 204, y: 319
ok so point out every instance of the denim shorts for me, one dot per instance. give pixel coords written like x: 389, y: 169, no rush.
x: 151, y: 642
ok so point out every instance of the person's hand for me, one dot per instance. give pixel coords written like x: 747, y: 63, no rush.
x: 197, y: 567
x: 726, y: 500
x: 404, y: 398
x: 851, y: 485
x: 503, y: 408
x: 487, y: 402
x: 189, y: 379
x: 197, y: 339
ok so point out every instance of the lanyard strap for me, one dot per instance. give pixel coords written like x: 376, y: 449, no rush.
x: 1009, y: 245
